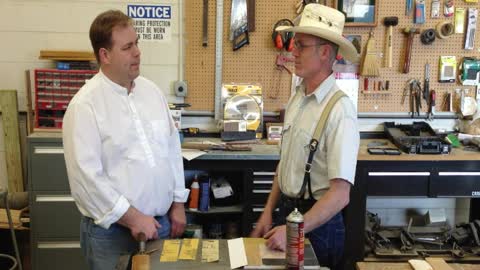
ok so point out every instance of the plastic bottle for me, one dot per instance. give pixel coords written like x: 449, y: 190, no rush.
x: 194, y: 193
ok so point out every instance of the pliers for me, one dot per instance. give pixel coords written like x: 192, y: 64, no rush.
x: 415, y: 98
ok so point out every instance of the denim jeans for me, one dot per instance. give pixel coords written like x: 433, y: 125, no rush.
x: 102, y: 248
x: 328, y: 241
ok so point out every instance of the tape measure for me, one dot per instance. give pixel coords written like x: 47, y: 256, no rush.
x: 218, y: 60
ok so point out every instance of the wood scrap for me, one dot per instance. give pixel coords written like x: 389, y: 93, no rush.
x: 438, y: 263
x: 420, y: 265
x: 20, y: 219
x: 11, y: 131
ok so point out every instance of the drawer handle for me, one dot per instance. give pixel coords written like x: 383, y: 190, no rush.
x: 261, y: 191
x: 264, y: 173
x: 48, y: 150
x: 262, y: 182
x: 459, y: 173
x: 54, y: 198
x: 399, y: 174
x: 58, y: 245
x: 260, y: 209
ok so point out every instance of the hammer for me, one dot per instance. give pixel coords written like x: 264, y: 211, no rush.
x: 411, y: 32
x: 389, y: 22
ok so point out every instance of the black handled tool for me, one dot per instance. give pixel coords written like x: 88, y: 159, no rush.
x: 426, y: 85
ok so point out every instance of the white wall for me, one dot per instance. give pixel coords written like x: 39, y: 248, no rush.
x: 28, y: 26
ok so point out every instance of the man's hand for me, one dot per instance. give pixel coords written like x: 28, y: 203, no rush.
x: 177, y: 219
x: 138, y: 223
x: 277, y: 238
x: 264, y: 224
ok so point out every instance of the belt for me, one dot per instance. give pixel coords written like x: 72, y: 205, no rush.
x: 303, y: 205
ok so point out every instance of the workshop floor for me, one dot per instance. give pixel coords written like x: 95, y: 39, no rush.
x: 6, y: 247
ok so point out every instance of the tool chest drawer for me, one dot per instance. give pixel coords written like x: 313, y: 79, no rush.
x: 261, y: 187
x: 47, y: 167
x: 55, y: 216
x: 59, y: 255
x: 456, y: 184
x: 257, y: 210
x: 397, y: 183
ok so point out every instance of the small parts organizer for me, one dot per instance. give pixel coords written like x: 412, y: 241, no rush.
x: 53, y: 91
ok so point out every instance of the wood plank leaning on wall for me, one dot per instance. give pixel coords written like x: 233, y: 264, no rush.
x: 11, y: 132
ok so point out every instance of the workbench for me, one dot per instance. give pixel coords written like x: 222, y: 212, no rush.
x: 55, y: 218
x: 422, y: 176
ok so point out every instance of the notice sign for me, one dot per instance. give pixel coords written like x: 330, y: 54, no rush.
x: 151, y: 22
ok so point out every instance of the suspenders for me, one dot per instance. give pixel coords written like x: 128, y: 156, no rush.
x: 314, y: 143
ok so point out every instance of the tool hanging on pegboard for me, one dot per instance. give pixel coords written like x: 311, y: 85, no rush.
x: 302, y: 3
x: 370, y: 64
x: 284, y: 42
x: 205, y: 24
x: 239, y: 24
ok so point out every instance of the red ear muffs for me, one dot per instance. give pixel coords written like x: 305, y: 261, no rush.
x: 283, y: 40
x: 278, y: 41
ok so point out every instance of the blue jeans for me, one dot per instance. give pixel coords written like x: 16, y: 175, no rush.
x: 102, y: 248
x: 328, y: 241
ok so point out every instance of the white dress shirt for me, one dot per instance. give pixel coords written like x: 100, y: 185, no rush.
x: 122, y: 150
x: 336, y: 155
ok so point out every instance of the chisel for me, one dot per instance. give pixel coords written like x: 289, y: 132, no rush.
x: 141, y: 261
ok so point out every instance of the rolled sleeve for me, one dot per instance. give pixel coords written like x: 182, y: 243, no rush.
x: 120, y: 208
x: 181, y: 195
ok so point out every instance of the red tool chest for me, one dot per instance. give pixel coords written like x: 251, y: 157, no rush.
x: 53, y: 91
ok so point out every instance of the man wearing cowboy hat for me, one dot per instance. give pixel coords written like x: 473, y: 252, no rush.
x: 328, y: 176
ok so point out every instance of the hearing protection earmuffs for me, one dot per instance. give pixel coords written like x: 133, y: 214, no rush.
x: 283, y: 40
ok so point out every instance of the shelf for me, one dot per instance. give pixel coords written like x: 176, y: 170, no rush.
x: 371, y: 92
x: 233, y: 209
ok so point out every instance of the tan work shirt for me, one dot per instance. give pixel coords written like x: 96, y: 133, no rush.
x: 336, y: 156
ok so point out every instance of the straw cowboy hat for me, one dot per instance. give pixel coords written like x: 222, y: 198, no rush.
x: 327, y: 23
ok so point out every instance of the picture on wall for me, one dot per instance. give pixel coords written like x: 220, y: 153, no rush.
x: 358, y: 12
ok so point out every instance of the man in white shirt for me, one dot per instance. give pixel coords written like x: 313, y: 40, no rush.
x: 327, y: 178
x: 122, y: 151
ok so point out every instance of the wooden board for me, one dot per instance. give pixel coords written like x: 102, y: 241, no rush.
x: 67, y: 55
x: 28, y: 94
x: 11, y: 131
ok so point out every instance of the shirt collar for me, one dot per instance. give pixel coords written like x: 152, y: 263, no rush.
x: 115, y: 86
x: 322, y: 90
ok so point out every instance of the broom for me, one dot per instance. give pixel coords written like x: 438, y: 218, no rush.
x: 370, y: 65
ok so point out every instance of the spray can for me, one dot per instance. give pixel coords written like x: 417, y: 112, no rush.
x: 194, y: 195
x: 295, y: 240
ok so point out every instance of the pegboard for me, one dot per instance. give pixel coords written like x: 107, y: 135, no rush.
x: 255, y: 63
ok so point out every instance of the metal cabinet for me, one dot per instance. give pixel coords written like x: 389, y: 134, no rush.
x: 55, y: 219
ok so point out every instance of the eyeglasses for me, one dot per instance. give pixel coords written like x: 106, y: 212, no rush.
x: 299, y: 46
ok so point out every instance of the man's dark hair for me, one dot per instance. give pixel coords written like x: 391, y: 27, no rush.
x: 102, y: 28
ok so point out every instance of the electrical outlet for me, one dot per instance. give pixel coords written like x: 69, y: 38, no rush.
x: 180, y: 88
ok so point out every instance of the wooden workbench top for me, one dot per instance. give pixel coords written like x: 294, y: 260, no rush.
x: 263, y: 151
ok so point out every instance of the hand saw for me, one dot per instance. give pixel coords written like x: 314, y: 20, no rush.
x: 239, y: 24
